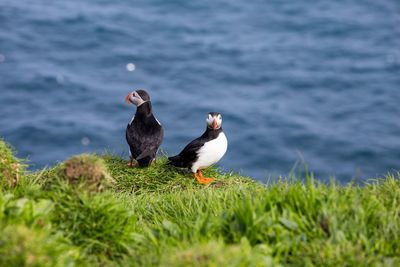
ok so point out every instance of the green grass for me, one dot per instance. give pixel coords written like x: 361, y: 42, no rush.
x: 160, y: 216
x: 10, y: 167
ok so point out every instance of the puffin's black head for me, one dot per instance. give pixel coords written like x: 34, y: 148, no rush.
x: 214, y: 120
x: 137, y: 97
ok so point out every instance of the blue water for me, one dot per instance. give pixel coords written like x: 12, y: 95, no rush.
x: 314, y: 82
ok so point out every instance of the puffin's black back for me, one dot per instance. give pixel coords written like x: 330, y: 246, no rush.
x: 144, y: 135
x: 189, y: 154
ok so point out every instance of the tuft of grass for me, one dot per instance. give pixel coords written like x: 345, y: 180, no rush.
x: 26, y: 238
x: 98, y: 224
x: 23, y: 246
x: 217, y: 253
x: 11, y: 168
x: 160, y: 216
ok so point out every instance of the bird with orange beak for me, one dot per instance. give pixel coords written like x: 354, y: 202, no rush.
x: 204, y: 151
x: 144, y: 133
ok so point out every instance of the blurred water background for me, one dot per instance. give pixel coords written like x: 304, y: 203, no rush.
x: 296, y: 81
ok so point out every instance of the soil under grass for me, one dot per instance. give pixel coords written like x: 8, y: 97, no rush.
x: 159, y: 216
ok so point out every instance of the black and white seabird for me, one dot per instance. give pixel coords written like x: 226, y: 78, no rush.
x: 144, y: 133
x: 204, y: 151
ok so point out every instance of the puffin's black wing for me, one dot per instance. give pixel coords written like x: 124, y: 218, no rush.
x: 133, y: 139
x: 188, y: 155
x: 149, y: 147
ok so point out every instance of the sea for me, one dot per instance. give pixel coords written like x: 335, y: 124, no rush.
x: 301, y: 85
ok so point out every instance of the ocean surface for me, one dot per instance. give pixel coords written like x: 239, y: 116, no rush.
x: 298, y: 83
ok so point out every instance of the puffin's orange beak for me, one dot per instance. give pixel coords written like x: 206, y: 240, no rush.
x: 127, y: 100
x: 215, y: 124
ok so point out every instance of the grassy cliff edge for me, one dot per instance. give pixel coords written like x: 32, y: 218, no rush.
x: 92, y: 210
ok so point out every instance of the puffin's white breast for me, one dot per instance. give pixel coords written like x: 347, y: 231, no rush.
x: 211, y: 152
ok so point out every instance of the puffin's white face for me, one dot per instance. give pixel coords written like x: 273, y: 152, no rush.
x: 134, y: 98
x: 214, y: 120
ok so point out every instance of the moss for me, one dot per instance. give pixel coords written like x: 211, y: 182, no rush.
x: 11, y: 169
x: 86, y: 171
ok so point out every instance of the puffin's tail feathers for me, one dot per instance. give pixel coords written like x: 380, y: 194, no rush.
x: 176, y: 161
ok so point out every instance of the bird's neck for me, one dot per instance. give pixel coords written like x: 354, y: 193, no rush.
x: 213, y: 133
x: 144, y: 110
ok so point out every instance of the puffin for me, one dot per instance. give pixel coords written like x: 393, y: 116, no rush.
x: 144, y: 132
x: 204, y: 151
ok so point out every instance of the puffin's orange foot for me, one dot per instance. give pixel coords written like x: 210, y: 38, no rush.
x: 132, y: 164
x: 199, y: 177
x: 203, y: 180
